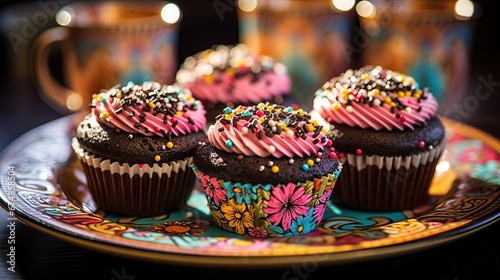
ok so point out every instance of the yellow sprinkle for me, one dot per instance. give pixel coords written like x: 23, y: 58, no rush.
x: 401, y: 94
x: 314, y: 122
x: 230, y: 71
x: 393, y: 104
x: 104, y: 115
x: 364, y: 76
x: 239, y: 110
x: 300, y: 112
x: 170, y: 145
x: 323, y: 131
x: 261, y: 106
x: 94, y: 96
x: 262, y: 119
x: 119, y: 95
x: 151, y: 105
x: 376, y: 91
x: 275, y: 169
x: 388, y: 100
x: 209, y: 78
x: 283, y: 127
x: 229, y: 116
x: 239, y: 62
x: 336, y: 106
x: 310, y: 127
x: 310, y: 162
x: 205, y: 54
x: 270, y: 108
x: 408, y: 93
x: 188, y: 97
x: 345, y: 91
x: 157, y: 158
x: 178, y: 113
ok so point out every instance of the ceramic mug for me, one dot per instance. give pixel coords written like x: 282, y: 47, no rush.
x: 426, y: 39
x: 104, y: 44
x: 310, y: 37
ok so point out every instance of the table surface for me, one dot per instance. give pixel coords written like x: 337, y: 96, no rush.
x: 40, y: 256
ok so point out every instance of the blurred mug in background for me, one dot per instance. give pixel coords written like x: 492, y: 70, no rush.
x: 311, y: 37
x: 103, y: 44
x: 429, y: 40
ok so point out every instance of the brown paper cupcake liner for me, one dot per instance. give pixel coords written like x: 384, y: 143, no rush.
x: 383, y: 183
x: 136, y: 190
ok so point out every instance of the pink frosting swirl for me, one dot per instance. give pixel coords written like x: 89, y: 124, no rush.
x: 267, y: 130
x: 373, y: 97
x: 233, y: 74
x: 149, y: 109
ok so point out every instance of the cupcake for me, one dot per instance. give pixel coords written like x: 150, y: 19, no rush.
x: 387, y: 135
x: 225, y: 75
x: 136, y: 147
x: 266, y: 170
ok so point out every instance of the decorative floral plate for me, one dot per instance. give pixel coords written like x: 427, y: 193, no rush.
x: 43, y: 186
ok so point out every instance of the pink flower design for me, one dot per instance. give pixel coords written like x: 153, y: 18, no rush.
x: 212, y: 188
x: 287, y: 202
x: 319, y: 211
x: 257, y: 232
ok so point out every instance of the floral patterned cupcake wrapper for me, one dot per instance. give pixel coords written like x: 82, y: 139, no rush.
x: 266, y: 210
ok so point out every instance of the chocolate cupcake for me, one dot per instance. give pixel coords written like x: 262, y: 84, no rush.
x: 266, y: 170
x: 136, y: 147
x: 386, y: 132
x: 229, y: 75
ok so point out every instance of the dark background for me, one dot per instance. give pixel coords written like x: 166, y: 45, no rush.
x: 474, y: 257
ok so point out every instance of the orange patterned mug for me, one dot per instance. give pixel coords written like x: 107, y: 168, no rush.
x: 104, y: 44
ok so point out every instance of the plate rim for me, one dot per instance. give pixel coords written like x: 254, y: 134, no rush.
x: 186, y: 259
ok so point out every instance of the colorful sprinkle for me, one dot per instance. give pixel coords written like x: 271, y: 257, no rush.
x: 271, y: 149
x: 421, y: 144
x: 275, y: 169
x: 157, y: 158
x: 170, y: 145
x: 104, y: 115
x: 305, y: 167
x: 359, y: 152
